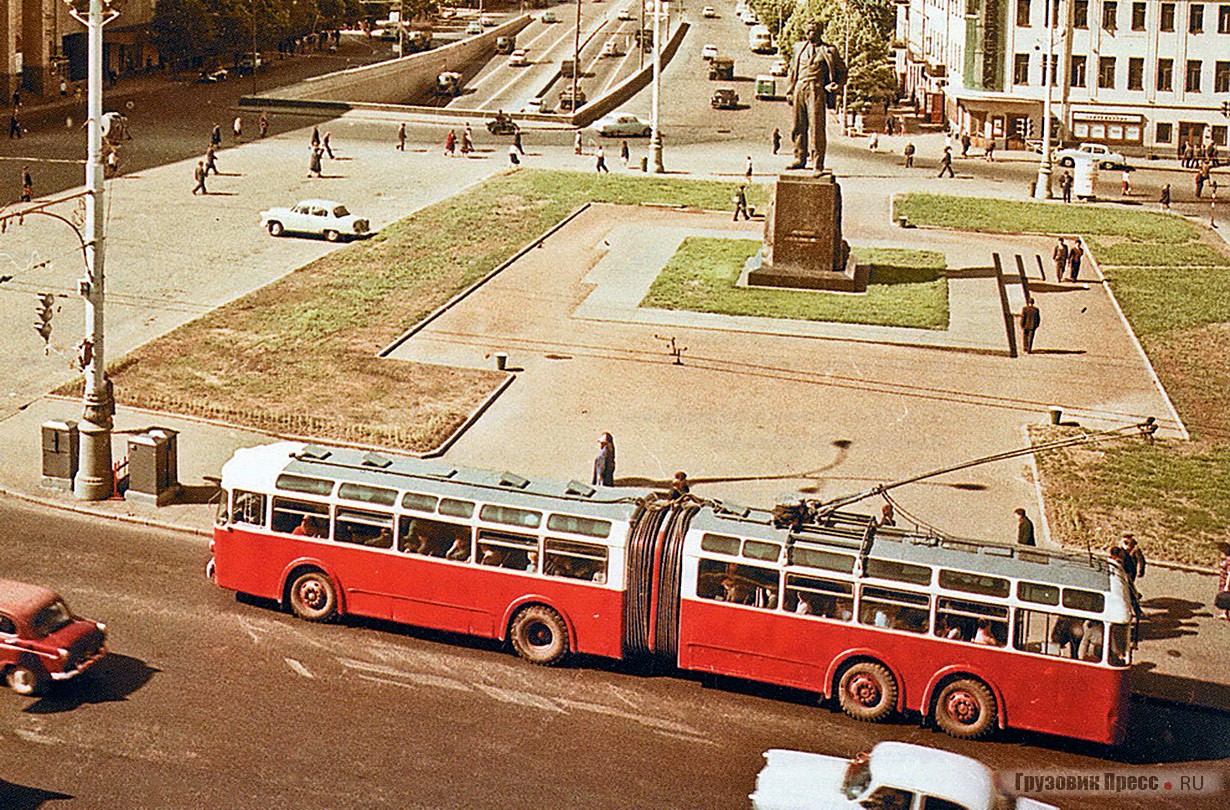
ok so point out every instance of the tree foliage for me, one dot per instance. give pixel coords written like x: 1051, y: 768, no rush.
x: 865, y: 27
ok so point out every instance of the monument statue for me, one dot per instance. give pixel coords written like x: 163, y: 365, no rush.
x: 816, y: 73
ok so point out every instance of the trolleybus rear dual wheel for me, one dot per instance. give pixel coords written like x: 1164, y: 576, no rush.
x: 965, y: 708
x: 313, y: 597
x: 540, y: 636
x: 867, y: 691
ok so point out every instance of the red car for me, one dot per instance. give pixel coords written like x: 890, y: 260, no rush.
x: 41, y: 640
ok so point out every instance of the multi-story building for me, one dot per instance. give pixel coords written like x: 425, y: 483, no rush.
x: 1143, y: 76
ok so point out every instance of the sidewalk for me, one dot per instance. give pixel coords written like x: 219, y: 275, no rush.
x: 896, y: 408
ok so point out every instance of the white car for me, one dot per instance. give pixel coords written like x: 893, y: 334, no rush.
x: 320, y: 217
x: 1097, y: 152
x: 611, y: 48
x: 708, y: 12
x: 894, y: 774
x: 621, y: 125
x: 518, y: 58
x: 779, y: 67
x: 538, y: 105
x: 475, y: 27
x: 709, y: 52
x: 625, y: 14
x: 548, y: 16
x: 749, y: 18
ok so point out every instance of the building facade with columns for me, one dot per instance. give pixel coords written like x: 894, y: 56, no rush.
x: 1141, y: 76
x: 40, y: 44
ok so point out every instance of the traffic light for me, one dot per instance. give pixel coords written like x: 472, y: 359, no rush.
x: 44, y: 310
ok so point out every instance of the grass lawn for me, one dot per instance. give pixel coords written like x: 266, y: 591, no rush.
x: 298, y: 356
x: 1172, y: 278
x: 906, y: 287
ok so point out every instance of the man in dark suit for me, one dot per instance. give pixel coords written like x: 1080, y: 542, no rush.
x: 1031, y: 319
x: 816, y: 73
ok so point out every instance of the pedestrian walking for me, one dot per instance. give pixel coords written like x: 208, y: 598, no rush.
x: 1065, y: 186
x: 199, y: 174
x: 215, y: 135
x: 314, y: 166
x: 1060, y: 255
x: 747, y: 169
x: 14, y: 126
x: 1222, y: 600
x: 873, y: 143
x: 624, y: 153
x: 740, y: 201
x: 604, y: 463
x: 946, y: 163
x: 577, y: 143
x: 600, y: 161
x: 1024, y: 529
x: 1031, y: 319
x: 1164, y: 199
x: 27, y: 185
x: 1074, y: 260
x: 262, y: 123
x: 1127, y: 182
x: 517, y: 142
x: 450, y: 143
x: 401, y: 137
x: 211, y: 160
x: 467, y: 141
x: 965, y: 142
x: 888, y: 125
x: 909, y: 155
x: 512, y: 155
x: 777, y: 139
x: 328, y: 148
x: 315, y: 141
x: 237, y: 128
x: 1199, y: 184
x: 990, y: 153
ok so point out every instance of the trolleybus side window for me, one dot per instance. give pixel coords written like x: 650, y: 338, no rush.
x: 363, y: 528
x: 1077, y: 599
x: 980, y: 584
x: 249, y: 508
x: 1061, y: 636
x: 899, y: 571
x: 758, y: 550
x: 1041, y: 594
x: 826, y: 598
x: 455, y: 508
x: 433, y: 538
x: 740, y: 584
x: 507, y: 550
x: 300, y: 517
x: 964, y: 620
x: 579, y: 525
x: 567, y: 558
x: 720, y: 543
x: 894, y: 610
x: 301, y: 483
x: 511, y: 516
x: 368, y: 494
x: 826, y: 560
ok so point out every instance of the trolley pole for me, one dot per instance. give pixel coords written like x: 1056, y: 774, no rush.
x: 95, y: 478
x: 1042, y: 186
x: 655, y: 139
x: 576, y: 59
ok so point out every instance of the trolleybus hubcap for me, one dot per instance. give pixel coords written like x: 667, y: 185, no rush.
x: 865, y: 689
x: 538, y: 634
x: 312, y: 594
x: 962, y: 707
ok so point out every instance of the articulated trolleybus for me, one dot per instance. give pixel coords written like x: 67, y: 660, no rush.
x: 969, y: 635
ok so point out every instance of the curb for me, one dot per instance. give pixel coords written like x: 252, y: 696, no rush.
x: 80, y: 510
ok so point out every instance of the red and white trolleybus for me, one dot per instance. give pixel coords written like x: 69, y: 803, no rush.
x: 972, y: 636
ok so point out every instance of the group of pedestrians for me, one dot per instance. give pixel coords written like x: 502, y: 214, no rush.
x: 604, y: 470
x: 1067, y: 259
x: 209, y: 163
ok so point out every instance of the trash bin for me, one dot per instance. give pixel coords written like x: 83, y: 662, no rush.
x: 501, y: 360
x: 1056, y: 414
x: 61, y: 444
x: 153, y: 467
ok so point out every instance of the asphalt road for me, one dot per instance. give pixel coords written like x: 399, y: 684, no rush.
x: 210, y: 701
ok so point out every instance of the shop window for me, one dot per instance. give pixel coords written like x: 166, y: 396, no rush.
x: 1164, y: 133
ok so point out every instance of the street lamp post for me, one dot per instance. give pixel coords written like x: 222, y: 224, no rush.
x: 254, y: 57
x: 655, y: 138
x: 95, y: 479
x: 1042, y: 186
x: 576, y: 57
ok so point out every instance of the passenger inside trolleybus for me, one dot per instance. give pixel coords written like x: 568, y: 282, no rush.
x: 310, y: 527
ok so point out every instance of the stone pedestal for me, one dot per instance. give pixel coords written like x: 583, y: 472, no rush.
x: 803, y: 246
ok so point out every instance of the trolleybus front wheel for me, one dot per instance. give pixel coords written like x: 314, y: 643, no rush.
x: 966, y: 708
x: 867, y: 692
x: 540, y: 636
x: 313, y: 597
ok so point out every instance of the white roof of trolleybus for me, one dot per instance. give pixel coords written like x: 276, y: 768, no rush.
x: 258, y: 468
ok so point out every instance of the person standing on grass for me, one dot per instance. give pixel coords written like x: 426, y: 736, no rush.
x: 741, y: 204
x: 401, y: 137
x: 1031, y: 319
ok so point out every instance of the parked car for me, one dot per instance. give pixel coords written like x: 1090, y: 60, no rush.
x: 766, y: 86
x: 518, y: 58
x: 488, y: 21
x: 708, y: 12
x: 621, y: 125
x: 212, y: 76
x: 41, y: 640
x: 475, y: 27
x: 625, y: 14
x: 317, y: 217
x: 538, y: 105
x: 760, y: 40
x: 548, y: 16
x: 249, y: 62
x: 721, y: 68
x: 611, y: 48
x: 1098, y: 152
x: 724, y: 98
x: 708, y: 52
x: 566, y: 100
x: 779, y: 67
x: 892, y: 774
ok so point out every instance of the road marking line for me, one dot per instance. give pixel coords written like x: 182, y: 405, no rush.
x: 298, y: 667
x: 406, y: 678
x: 520, y: 698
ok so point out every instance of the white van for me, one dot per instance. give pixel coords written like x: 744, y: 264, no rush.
x: 760, y: 40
